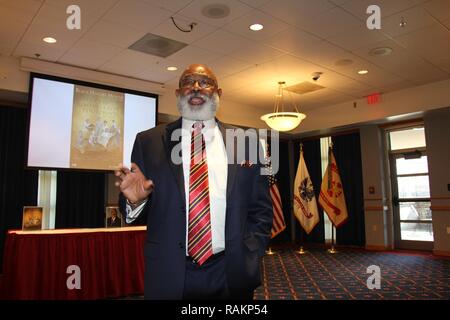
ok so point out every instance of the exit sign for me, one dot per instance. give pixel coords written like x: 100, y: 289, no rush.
x: 374, y: 98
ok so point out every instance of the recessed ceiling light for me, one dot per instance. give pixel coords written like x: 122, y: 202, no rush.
x: 49, y: 40
x: 172, y: 68
x: 363, y: 71
x: 256, y: 27
x: 382, y: 51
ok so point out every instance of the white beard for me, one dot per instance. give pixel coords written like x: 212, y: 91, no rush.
x: 198, y: 113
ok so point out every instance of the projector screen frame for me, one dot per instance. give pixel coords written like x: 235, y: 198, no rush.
x: 34, y: 75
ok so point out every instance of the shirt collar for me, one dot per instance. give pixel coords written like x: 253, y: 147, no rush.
x: 208, y: 129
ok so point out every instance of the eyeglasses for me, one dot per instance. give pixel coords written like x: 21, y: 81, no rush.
x: 204, y: 83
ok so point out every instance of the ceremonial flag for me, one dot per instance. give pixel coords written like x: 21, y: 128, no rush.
x: 305, y: 205
x: 332, y: 198
x: 278, y: 218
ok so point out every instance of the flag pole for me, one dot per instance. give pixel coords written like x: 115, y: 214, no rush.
x: 332, y: 250
x: 301, y: 251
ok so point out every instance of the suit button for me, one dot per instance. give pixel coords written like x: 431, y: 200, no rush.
x: 180, y: 244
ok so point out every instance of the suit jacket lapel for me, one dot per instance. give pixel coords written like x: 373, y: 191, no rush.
x: 177, y: 169
x: 231, y: 155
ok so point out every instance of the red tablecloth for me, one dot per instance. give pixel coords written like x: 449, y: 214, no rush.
x: 111, y: 263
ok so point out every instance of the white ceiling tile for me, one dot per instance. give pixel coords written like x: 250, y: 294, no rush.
x: 130, y: 63
x: 159, y: 76
x: 93, y: 8
x: 51, y: 21
x: 228, y: 66
x: 222, y: 42
x: 172, y: 5
x: 447, y: 24
x: 137, y: 14
x: 192, y: 54
x: 425, y: 41
x: 294, y: 41
x: 395, y: 86
x: 21, y: 10
x: 399, y: 55
x: 423, y: 72
x: 330, y: 23
x: 194, y: 10
x: 46, y: 52
x: 338, y: 2
x: 294, y: 11
x: 440, y: 9
x: 254, y: 3
x: 415, y: 18
x: 89, y: 54
x: 293, y: 69
x: 271, y: 25
x: 11, y: 30
x: 256, y: 53
x: 249, y: 65
x: 168, y: 29
x: 442, y: 63
x: 357, y: 38
x: 387, y: 7
x: 114, y: 33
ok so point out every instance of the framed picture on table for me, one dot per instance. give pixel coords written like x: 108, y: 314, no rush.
x: 32, y: 218
x: 113, y: 217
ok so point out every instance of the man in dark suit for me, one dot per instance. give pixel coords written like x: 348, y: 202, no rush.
x: 114, y: 221
x: 209, y: 213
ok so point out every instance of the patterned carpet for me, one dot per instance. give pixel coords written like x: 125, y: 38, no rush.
x: 319, y: 275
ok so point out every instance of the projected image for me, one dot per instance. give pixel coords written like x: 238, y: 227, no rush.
x: 97, y: 128
x: 85, y: 126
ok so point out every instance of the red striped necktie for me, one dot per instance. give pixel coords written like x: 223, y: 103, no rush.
x: 199, y: 234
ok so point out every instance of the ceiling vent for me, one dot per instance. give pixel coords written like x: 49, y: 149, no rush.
x: 304, y: 87
x: 157, y: 45
x: 216, y: 11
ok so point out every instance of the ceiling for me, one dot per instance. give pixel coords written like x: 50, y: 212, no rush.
x: 299, y: 37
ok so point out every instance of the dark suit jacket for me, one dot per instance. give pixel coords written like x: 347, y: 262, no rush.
x: 249, y: 215
x: 113, y: 224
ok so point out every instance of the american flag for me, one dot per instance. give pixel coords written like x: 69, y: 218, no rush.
x: 278, y: 218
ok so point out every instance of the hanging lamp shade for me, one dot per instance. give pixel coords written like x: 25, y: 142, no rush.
x: 281, y: 120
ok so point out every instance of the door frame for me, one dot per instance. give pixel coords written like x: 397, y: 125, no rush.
x: 398, y: 242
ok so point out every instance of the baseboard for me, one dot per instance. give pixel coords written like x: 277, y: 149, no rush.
x: 376, y: 247
x: 441, y: 253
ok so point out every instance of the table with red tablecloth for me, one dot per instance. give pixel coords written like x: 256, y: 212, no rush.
x: 51, y: 264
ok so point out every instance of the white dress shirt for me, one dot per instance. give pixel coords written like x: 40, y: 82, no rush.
x: 216, y: 158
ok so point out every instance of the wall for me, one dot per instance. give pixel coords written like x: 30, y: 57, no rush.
x: 437, y: 133
x: 412, y: 100
x: 376, y: 212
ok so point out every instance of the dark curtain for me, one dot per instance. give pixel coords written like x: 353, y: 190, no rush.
x: 283, y: 183
x: 81, y: 200
x: 311, y: 152
x: 347, y: 151
x: 18, y: 186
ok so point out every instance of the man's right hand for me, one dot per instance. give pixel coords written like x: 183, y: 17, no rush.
x: 133, y: 184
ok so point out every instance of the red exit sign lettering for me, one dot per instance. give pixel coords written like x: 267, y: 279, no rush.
x: 374, y: 98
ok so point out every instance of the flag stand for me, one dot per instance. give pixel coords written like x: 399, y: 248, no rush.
x: 270, y: 252
x: 332, y: 250
x: 301, y: 251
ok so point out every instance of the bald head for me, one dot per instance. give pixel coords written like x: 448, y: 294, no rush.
x: 200, y: 70
x: 198, y: 93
